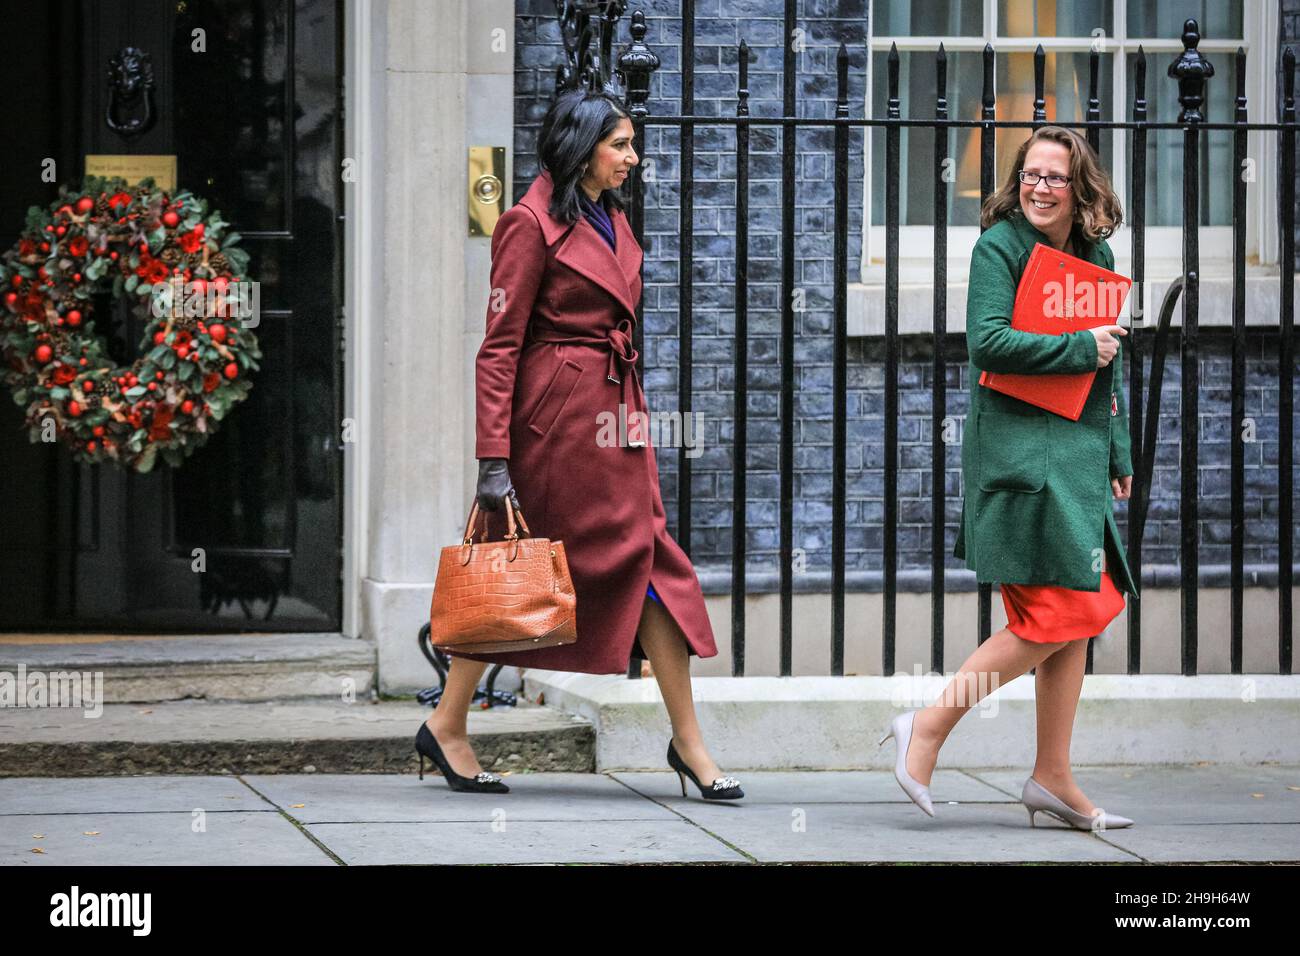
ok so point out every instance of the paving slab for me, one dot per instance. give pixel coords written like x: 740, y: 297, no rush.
x: 1209, y: 843
x: 819, y: 786
x: 864, y: 816
x: 883, y: 832
x: 1190, y: 814
x: 236, y: 838
x: 525, y: 842
x: 143, y: 794
x: 535, y: 797
x: 1176, y: 794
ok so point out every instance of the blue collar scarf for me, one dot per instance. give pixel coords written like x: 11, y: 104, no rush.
x: 598, y: 217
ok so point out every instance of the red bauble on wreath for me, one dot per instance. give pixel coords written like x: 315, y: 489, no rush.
x: 188, y: 279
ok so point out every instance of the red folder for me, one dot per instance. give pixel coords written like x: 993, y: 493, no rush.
x: 1060, y: 293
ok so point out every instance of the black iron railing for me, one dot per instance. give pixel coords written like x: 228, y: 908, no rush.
x: 1189, y: 69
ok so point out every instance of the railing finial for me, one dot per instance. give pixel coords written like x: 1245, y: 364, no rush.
x: 1191, y: 69
x: 636, y: 63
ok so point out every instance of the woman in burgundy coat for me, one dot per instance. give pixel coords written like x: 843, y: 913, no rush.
x: 557, y: 429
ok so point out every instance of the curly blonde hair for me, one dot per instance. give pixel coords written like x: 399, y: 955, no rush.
x: 1097, y: 210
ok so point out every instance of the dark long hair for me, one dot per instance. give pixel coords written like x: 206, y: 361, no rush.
x: 1097, y: 210
x: 575, y: 124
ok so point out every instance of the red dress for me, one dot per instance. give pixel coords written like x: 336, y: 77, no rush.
x: 1047, y: 613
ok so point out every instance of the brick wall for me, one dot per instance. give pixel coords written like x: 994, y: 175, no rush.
x: 720, y: 25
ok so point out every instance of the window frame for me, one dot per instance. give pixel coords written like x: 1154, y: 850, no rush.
x: 1260, y: 29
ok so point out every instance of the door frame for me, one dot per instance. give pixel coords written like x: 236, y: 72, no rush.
x: 417, y: 92
x: 360, y: 236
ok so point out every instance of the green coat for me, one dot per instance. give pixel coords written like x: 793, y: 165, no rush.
x: 1038, y: 504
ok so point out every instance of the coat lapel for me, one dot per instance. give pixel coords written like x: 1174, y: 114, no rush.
x: 583, y: 250
x: 1029, y: 234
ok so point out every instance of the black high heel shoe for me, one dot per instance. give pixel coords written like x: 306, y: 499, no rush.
x: 724, y: 788
x: 426, y: 745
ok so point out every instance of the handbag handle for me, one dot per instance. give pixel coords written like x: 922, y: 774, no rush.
x: 511, y: 513
x: 512, y: 535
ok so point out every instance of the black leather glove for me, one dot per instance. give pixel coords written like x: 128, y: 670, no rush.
x: 494, y: 484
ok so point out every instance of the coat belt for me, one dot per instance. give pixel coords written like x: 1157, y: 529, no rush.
x: 621, y: 353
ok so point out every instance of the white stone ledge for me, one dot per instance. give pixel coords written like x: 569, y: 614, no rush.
x: 829, y: 723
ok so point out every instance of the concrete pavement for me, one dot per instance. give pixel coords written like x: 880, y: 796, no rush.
x: 1183, y: 813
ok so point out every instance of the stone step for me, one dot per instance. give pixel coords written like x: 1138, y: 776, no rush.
x: 208, y: 737
x: 143, y: 668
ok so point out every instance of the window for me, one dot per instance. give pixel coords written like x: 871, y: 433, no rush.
x: 1068, y: 33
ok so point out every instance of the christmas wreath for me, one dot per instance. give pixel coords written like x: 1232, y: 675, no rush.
x: 187, y: 280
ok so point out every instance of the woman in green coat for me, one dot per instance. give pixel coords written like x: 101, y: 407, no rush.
x: 1036, y: 516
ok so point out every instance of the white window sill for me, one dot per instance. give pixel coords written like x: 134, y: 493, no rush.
x: 866, y: 300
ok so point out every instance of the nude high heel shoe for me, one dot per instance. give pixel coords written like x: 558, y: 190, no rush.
x: 900, y: 728
x: 1038, y: 798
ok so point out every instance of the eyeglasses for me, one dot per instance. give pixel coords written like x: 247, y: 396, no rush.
x: 1056, y: 182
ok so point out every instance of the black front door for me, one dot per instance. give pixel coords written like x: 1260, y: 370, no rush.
x: 246, y: 533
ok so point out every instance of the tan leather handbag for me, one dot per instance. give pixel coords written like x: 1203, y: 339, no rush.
x: 508, y: 595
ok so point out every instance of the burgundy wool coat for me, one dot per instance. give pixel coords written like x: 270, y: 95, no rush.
x: 558, y: 353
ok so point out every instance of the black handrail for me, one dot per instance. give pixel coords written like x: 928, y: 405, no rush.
x: 1140, y: 500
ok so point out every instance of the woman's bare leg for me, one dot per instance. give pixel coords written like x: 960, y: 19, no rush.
x: 448, y: 722
x: 1057, y: 683
x: 999, y: 660
x: 665, y: 646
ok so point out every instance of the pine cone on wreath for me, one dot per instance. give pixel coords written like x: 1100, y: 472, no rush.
x: 171, y: 255
x: 219, y: 263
